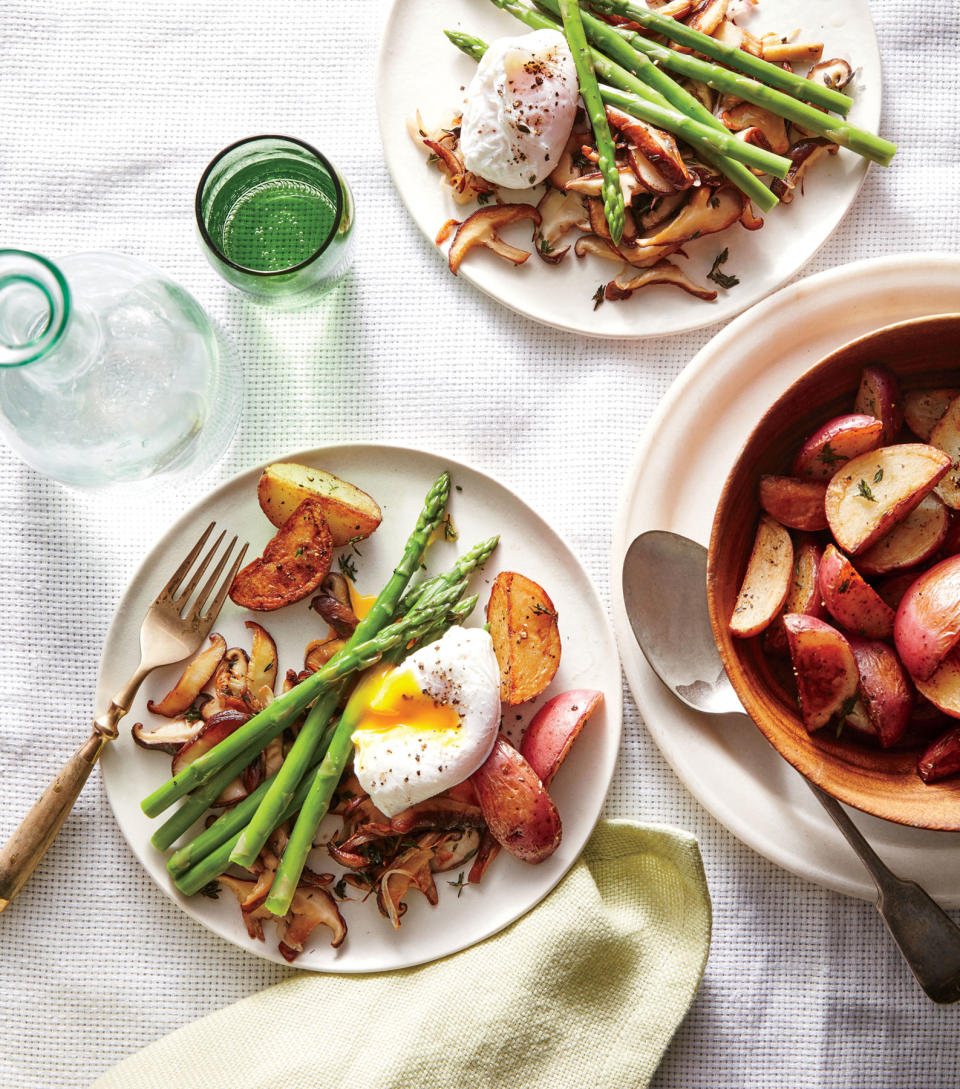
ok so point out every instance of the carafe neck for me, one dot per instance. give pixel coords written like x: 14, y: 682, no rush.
x: 35, y: 307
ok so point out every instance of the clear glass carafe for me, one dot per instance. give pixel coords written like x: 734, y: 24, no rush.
x: 109, y: 371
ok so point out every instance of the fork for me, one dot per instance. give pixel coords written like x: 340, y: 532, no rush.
x: 168, y: 635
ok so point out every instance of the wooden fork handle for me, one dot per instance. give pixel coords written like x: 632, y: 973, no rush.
x: 38, y: 829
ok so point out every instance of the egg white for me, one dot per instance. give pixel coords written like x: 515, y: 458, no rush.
x: 400, y: 763
x: 521, y: 105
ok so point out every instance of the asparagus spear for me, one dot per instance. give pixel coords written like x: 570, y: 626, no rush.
x: 651, y: 108
x: 636, y: 73
x: 613, y: 207
x: 269, y: 722
x: 730, y: 55
x: 322, y: 785
x: 462, y: 569
x: 231, y: 822
x: 807, y: 117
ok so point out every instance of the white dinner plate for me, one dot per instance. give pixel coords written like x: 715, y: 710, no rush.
x: 419, y: 69
x: 674, y: 483
x: 398, y: 478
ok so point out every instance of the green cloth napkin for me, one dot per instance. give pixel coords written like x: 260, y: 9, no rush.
x: 586, y: 989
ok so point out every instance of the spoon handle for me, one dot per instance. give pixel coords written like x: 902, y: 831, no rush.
x: 928, y: 938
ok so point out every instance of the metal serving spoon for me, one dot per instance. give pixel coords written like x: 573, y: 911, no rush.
x: 675, y: 636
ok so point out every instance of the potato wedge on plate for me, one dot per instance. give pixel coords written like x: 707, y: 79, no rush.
x: 526, y: 638
x: 293, y: 564
x: 351, y: 514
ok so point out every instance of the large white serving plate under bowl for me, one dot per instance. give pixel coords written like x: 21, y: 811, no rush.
x: 418, y: 69
x: 674, y: 483
x: 398, y: 478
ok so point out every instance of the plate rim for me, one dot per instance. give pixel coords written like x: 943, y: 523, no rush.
x: 874, y: 63
x: 909, y: 264
x: 587, y: 590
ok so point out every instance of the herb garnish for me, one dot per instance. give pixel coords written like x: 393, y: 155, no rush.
x: 878, y: 475
x: 719, y: 277
x: 545, y: 246
x: 863, y: 490
x: 348, y: 566
x: 845, y: 708
x: 449, y: 529
x: 484, y: 198
x: 459, y: 884
x: 598, y: 296
x: 340, y: 888
x: 211, y: 890
x: 828, y: 455
x: 542, y: 610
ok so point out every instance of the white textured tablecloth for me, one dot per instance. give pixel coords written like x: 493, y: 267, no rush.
x: 109, y: 111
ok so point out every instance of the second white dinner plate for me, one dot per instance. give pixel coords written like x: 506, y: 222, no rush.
x: 418, y: 69
x: 398, y: 478
x: 674, y: 484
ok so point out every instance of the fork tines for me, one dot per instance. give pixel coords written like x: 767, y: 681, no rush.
x: 179, y: 596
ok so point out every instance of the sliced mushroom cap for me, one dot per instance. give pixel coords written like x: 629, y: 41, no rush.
x: 341, y: 618
x: 194, y: 677
x: 261, y: 666
x: 652, y: 179
x: 746, y: 115
x: 310, y: 908
x: 591, y: 185
x: 567, y: 169
x: 243, y: 888
x: 320, y: 651
x: 708, y: 15
x: 443, y: 147
x: 778, y: 50
x: 480, y: 229
x: 410, y: 870
x: 486, y: 853
x: 560, y: 212
x: 835, y: 73
x: 749, y: 218
x: 665, y: 272
x: 170, y: 736
x: 707, y: 212
x: 802, y: 156
x: 661, y: 209
x: 658, y: 146
x: 229, y: 683
x: 336, y: 585
x: 214, y: 730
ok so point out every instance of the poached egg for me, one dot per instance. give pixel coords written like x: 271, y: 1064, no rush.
x: 521, y: 105
x: 430, y: 722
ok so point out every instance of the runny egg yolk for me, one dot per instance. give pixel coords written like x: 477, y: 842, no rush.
x: 399, y: 704
x: 361, y: 604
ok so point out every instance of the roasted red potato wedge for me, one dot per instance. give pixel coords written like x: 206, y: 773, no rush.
x: 350, y: 513
x: 922, y: 408
x: 885, y: 689
x: 183, y: 694
x: 825, y: 668
x: 798, y: 504
x: 835, y: 443
x: 911, y: 542
x: 927, y: 624
x: 766, y: 582
x: 519, y: 812
x: 803, y: 596
x: 946, y: 437
x: 942, y: 688
x: 869, y: 495
x: 293, y: 564
x: 851, y: 600
x: 526, y: 637
x: 554, y: 728
x: 941, y: 759
x: 879, y: 396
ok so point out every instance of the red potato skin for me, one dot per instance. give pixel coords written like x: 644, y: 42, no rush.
x: 951, y: 543
x: 879, y: 396
x: 824, y: 666
x: 885, y: 688
x: 836, y: 442
x: 520, y: 814
x: 554, y: 728
x: 927, y: 623
x: 802, y: 597
x: 942, y: 759
x: 797, y: 504
x: 850, y: 600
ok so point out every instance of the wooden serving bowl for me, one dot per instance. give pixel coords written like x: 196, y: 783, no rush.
x: 923, y: 352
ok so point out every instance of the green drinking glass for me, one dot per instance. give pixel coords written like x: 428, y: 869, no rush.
x: 276, y: 220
